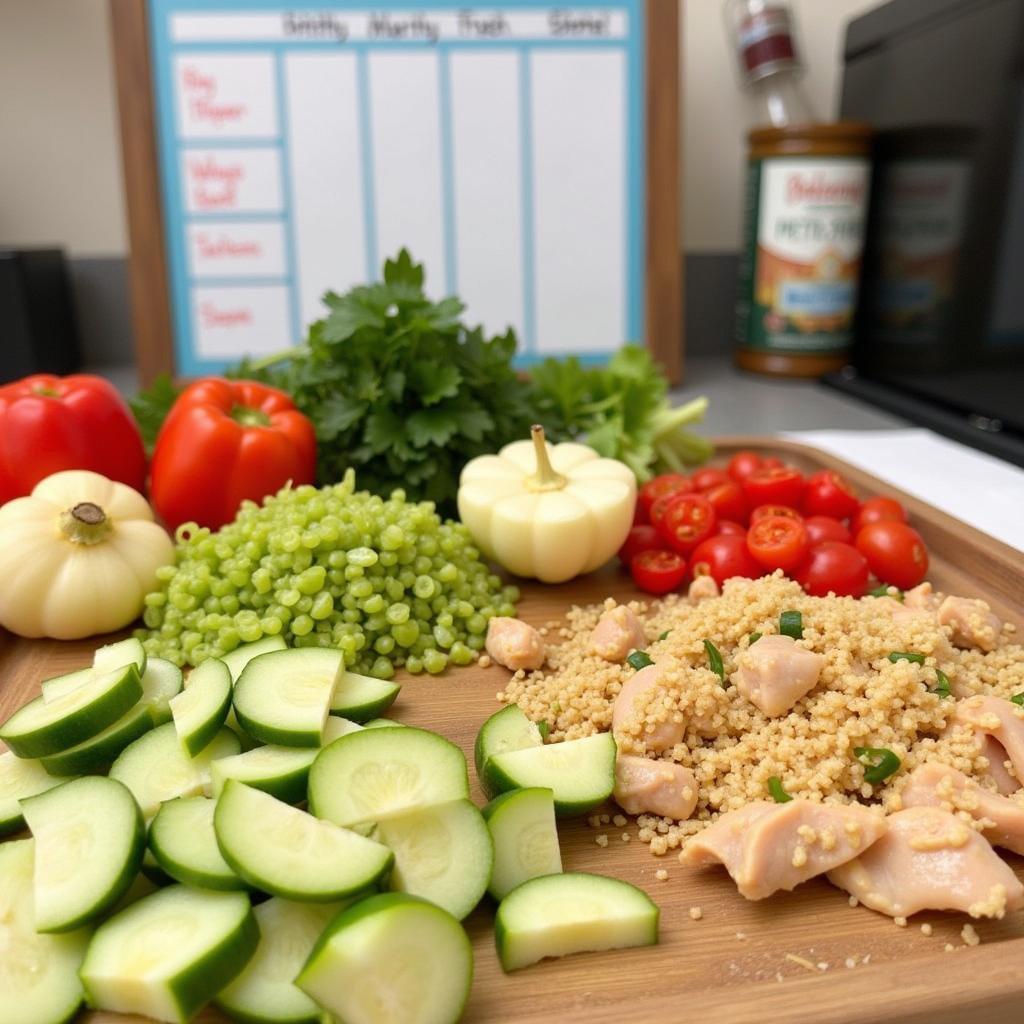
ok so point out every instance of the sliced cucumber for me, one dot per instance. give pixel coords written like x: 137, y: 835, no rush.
x: 237, y: 659
x: 170, y: 953
x: 522, y: 825
x: 119, y: 654
x: 89, y: 840
x: 162, y: 682
x: 284, y: 697
x: 377, y: 773
x: 155, y: 768
x: 200, y: 709
x: 289, y: 853
x: 361, y: 698
x: 19, y: 779
x: 382, y: 723
x: 507, y: 729
x: 60, y: 685
x: 443, y: 853
x: 558, y: 915
x: 264, y: 993
x: 580, y: 773
x: 185, y: 846
x: 152, y: 871
x: 391, y: 959
x: 38, y: 973
x: 41, y: 728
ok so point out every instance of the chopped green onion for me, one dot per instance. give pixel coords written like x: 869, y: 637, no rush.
x: 882, y: 590
x: 753, y: 638
x: 879, y: 761
x: 715, y: 661
x: 639, y: 660
x: 544, y: 729
x: 556, y: 708
x: 1018, y: 699
x: 779, y: 795
x: 913, y: 656
x: 792, y: 624
x: 665, y: 634
x: 942, y: 684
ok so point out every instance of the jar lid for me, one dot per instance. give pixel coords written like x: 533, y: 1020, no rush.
x: 830, y: 131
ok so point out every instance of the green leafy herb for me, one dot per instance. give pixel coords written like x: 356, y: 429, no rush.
x: 639, y: 660
x: 1018, y: 699
x: 882, y: 590
x: 792, y: 624
x: 151, y: 407
x: 544, y: 729
x: 880, y: 763
x: 913, y: 656
x: 753, y: 638
x: 941, y: 688
x: 715, y: 661
x: 661, y: 636
x: 779, y: 795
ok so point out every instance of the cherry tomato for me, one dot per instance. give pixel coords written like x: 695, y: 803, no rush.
x: 640, y: 538
x: 705, y: 479
x: 828, y: 494
x: 639, y: 515
x: 777, y: 542
x: 821, y: 528
x: 772, y: 462
x: 722, y: 557
x: 660, y: 507
x: 688, y: 519
x: 742, y: 464
x: 833, y: 567
x: 728, y: 501
x: 660, y: 486
x: 878, y: 510
x: 895, y: 552
x: 763, y: 511
x: 729, y: 528
x: 777, y: 485
x: 658, y: 572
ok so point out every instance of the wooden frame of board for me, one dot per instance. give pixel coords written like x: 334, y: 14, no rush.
x: 151, y: 311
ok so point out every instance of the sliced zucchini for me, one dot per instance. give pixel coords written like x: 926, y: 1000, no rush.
x: 289, y: 853
x: 41, y: 728
x: 89, y: 838
x: 38, y: 973
x: 377, y: 773
x: 237, y: 659
x: 557, y: 915
x: 60, y: 685
x: 19, y: 779
x: 507, y: 729
x: 443, y: 853
x: 155, y: 768
x: 152, y: 871
x: 391, y: 959
x: 169, y: 954
x: 522, y: 825
x: 361, y: 698
x: 184, y: 845
x: 200, y: 709
x: 382, y: 723
x: 116, y: 655
x: 284, y: 697
x: 580, y: 773
x: 162, y: 681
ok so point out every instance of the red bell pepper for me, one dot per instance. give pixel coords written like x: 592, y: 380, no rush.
x: 48, y: 424
x: 222, y: 442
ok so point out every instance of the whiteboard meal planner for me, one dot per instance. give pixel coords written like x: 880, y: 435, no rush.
x: 300, y: 148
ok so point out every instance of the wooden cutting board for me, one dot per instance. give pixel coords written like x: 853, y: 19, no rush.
x: 732, y: 966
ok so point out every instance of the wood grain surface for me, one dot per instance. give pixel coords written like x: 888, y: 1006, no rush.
x: 732, y: 966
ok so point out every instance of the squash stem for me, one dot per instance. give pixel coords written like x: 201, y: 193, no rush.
x: 85, y: 523
x: 546, y: 478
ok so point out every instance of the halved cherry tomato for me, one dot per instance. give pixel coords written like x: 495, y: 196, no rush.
x: 742, y: 464
x: 658, y: 572
x: 729, y: 528
x: 777, y: 542
x: 763, y: 511
x: 660, y: 507
x: 895, y: 552
x: 723, y: 557
x: 705, y: 479
x: 639, y: 515
x: 660, y: 486
x: 688, y: 519
x: 821, y: 528
x: 640, y: 538
x: 828, y: 494
x: 776, y: 485
x: 833, y: 567
x: 729, y: 501
x: 772, y: 462
x: 878, y: 510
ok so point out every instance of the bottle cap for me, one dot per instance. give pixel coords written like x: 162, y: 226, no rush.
x: 765, y: 41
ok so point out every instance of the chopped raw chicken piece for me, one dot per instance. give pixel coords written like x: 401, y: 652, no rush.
x: 1006, y: 782
x: 972, y: 621
x: 702, y: 588
x: 899, y: 611
x: 776, y: 672
x: 938, y: 785
x: 766, y: 846
x: 617, y: 632
x: 514, y: 644
x: 644, y: 786
x: 929, y: 859
x: 921, y: 597
x: 1000, y: 719
x: 638, y: 692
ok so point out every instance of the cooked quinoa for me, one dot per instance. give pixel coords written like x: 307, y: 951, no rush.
x: 861, y: 700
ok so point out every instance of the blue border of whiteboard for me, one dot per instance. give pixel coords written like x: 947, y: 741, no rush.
x: 188, y: 362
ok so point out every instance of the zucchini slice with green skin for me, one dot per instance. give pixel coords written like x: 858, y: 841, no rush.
x: 264, y: 992
x: 169, y: 954
x: 522, y: 825
x: 507, y: 729
x: 120, y: 653
x: 152, y: 872
x: 391, y: 959
x: 184, y: 844
x: 59, y: 685
x: 39, y: 981
x: 383, y: 723
x: 156, y: 769
x: 19, y: 779
x: 237, y: 659
x: 89, y: 838
x: 287, y: 852
x: 580, y: 773
x: 442, y: 853
x: 360, y: 698
x: 375, y: 774
x: 284, y: 697
x: 557, y: 915
x: 200, y: 709
x: 41, y: 728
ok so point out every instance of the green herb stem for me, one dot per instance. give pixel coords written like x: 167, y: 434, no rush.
x: 639, y: 660
x: 913, y: 656
x: 941, y: 688
x: 792, y: 624
x: 715, y: 661
x: 753, y: 638
x: 879, y: 762
x: 778, y: 793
